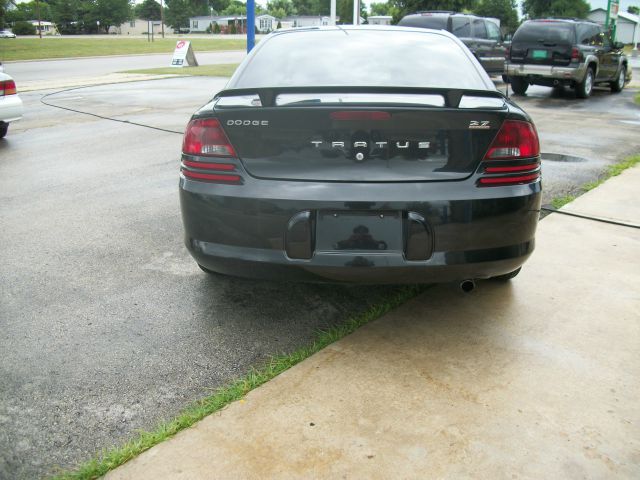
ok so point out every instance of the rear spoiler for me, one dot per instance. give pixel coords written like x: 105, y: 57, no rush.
x: 452, y: 97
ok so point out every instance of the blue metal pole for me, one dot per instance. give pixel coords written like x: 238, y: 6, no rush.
x: 251, y: 24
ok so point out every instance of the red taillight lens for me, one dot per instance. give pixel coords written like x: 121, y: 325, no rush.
x: 206, y: 137
x: 8, y: 87
x: 513, y: 180
x: 575, y: 54
x: 516, y: 139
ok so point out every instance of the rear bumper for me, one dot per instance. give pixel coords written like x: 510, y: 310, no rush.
x: 468, y: 232
x: 575, y: 74
x: 10, y: 108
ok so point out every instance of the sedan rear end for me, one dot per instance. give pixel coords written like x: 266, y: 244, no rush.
x: 374, y: 155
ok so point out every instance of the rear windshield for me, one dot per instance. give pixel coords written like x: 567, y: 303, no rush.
x: 545, y: 32
x: 393, y: 57
x: 437, y: 22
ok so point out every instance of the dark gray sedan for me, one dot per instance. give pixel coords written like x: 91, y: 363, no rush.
x: 361, y: 154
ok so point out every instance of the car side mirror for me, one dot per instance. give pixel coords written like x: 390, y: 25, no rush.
x: 618, y: 45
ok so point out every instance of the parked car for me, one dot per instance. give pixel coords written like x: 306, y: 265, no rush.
x: 10, y: 103
x: 572, y: 53
x: 7, y: 34
x: 411, y: 167
x: 481, y: 35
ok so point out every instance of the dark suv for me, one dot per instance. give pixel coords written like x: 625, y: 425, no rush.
x: 481, y: 35
x: 559, y: 52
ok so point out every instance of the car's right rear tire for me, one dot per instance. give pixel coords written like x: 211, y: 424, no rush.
x: 3, y: 130
x: 618, y: 84
x: 519, y: 85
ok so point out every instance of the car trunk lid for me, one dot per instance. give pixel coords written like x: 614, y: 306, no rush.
x: 362, y: 135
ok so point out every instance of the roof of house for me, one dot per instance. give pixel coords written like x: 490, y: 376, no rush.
x: 626, y: 15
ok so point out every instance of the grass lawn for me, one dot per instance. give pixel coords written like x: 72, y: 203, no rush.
x: 35, y: 48
x: 223, y: 70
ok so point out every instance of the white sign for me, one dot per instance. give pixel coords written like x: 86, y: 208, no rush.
x: 183, y: 54
x: 613, y: 9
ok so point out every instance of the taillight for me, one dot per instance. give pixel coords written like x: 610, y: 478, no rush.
x: 8, y: 87
x: 513, y: 157
x: 360, y: 115
x: 207, y: 138
x: 210, y: 172
x: 516, y: 139
x: 575, y: 54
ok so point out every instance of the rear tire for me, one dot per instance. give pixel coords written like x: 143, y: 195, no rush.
x: 3, y: 130
x: 519, y: 85
x: 585, y: 87
x: 507, y: 276
x: 618, y: 84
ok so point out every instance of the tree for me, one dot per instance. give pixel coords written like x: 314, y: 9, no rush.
x: 505, y: 10
x: 148, y: 10
x: 29, y: 11
x: 344, y: 9
x: 556, y: 8
x: 68, y: 16
x: 281, y: 8
x: 178, y: 12
x: 108, y: 13
x: 405, y: 7
x: 4, y: 7
x: 312, y: 7
x: 633, y: 10
x: 24, y: 28
x: 235, y: 8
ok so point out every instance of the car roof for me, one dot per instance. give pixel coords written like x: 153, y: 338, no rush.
x: 347, y: 28
x: 561, y: 20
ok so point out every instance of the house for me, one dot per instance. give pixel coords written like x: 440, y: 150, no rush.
x: 138, y: 26
x: 47, y: 28
x: 627, y: 25
x: 305, y: 21
x: 264, y: 23
x: 379, y: 19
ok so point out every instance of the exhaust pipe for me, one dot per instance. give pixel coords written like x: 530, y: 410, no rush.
x: 467, y: 286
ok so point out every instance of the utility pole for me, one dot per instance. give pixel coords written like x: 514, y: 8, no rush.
x: 251, y: 24
x: 39, y: 22
x: 332, y: 18
x: 356, y: 12
x: 162, y: 16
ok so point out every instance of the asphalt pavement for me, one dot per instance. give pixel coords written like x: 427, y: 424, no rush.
x: 106, y: 325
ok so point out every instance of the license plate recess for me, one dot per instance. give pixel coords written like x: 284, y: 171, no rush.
x: 369, y: 231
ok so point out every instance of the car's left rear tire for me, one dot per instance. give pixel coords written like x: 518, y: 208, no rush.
x: 507, y: 276
x: 618, y: 84
x: 585, y: 87
x: 3, y: 130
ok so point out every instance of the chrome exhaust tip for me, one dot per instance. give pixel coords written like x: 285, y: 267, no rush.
x: 467, y: 286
